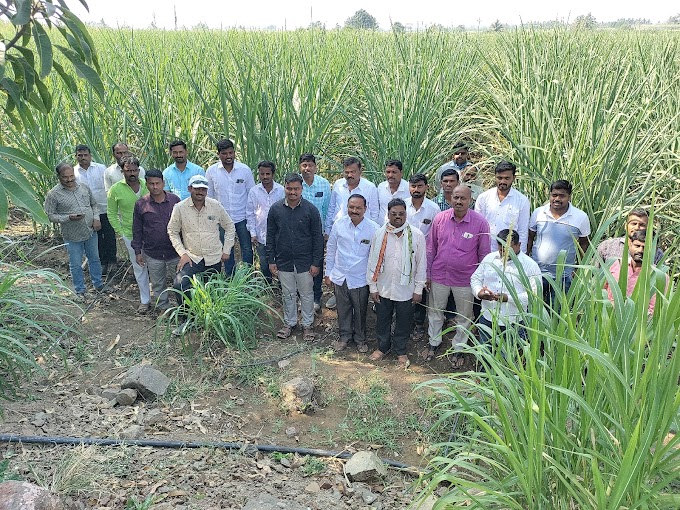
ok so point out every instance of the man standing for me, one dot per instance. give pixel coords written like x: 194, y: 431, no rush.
x: 504, y: 207
x: 637, y: 219
x: 194, y: 231
x: 150, y: 239
x: 351, y: 184
x: 177, y: 175
x: 121, y: 205
x: 92, y: 175
x: 420, y: 213
x: 396, y: 276
x: 114, y: 173
x: 295, y: 254
x: 394, y: 186
x: 74, y: 207
x: 260, y: 200
x: 229, y: 181
x: 493, y: 280
x: 458, y: 241
x: 458, y: 163
x: 450, y: 179
x: 346, y: 261
x: 636, y: 253
x: 553, y: 228
x: 317, y: 190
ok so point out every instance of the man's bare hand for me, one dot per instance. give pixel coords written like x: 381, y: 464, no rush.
x: 140, y: 259
x: 314, y: 270
x: 253, y: 240
x: 96, y: 225
x: 327, y: 281
x: 376, y: 297
x: 417, y: 298
x: 273, y: 269
x: 225, y: 256
x: 183, y: 261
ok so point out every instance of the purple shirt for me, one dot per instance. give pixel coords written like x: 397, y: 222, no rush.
x: 455, y: 248
x: 150, y: 227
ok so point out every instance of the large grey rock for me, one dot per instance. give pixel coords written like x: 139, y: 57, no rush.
x: 364, y: 467
x: 149, y: 382
x: 297, y: 394
x: 269, y: 502
x: 16, y: 495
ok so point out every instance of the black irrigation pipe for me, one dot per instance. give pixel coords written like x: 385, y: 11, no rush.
x: 61, y: 440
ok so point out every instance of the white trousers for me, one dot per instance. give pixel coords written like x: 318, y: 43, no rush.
x: 141, y: 274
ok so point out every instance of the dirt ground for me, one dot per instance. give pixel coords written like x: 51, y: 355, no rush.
x: 216, y: 394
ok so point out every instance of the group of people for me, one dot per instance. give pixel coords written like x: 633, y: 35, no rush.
x: 413, y: 257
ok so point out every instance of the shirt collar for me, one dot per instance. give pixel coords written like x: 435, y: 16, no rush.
x: 285, y: 201
x: 466, y: 218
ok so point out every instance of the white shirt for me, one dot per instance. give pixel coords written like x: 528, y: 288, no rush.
x: 385, y: 195
x: 500, y: 277
x: 93, y: 178
x: 114, y: 173
x: 340, y: 195
x: 347, y: 251
x: 257, y: 209
x: 231, y: 188
x: 512, y: 213
x: 388, y: 284
x: 421, y: 218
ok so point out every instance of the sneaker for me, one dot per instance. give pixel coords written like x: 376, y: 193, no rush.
x: 331, y: 303
x: 317, y: 306
x: 143, y: 308
x: 180, y: 330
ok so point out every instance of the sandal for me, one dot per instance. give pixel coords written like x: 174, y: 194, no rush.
x: 377, y: 355
x: 362, y: 347
x: 429, y: 353
x: 403, y: 361
x: 308, y: 334
x: 339, y: 345
x: 284, y: 332
x: 457, y: 360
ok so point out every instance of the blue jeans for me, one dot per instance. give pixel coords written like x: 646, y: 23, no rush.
x: 246, y: 248
x: 76, y: 250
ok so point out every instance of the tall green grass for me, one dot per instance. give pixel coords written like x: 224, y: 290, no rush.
x: 578, y: 416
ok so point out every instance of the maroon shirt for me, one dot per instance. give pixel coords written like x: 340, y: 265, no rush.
x: 150, y: 227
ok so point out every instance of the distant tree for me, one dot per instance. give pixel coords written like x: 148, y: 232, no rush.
x: 674, y: 19
x: 398, y: 27
x: 585, y: 21
x: 436, y: 27
x: 497, y: 26
x: 362, y: 20
x: 316, y: 25
x: 460, y: 28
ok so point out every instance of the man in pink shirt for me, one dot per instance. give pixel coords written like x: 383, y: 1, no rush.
x: 457, y: 243
x: 636, y: 252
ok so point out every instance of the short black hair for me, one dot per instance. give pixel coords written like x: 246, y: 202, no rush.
x: 416, y: 178
x: 265, y: 163
x: 293, y: 177
x: 505, y: 233
x: 639, y: 235
x: 450, y: 171
x: 177, y: 142
x: 153, y: 172
x: 82, y: 147
x: 459, y: 146
x: 357, y: 195
x: 395, y: 202
x: 394, y: 162
x: 639, y: 212
x: 505, y: 166
x: 351, y: 160
x: 224, y: 144
x: 561, y: 184
x: 62, y: 165
x: 307, y: 156
x: 130, y: 159
x: 113, y: 147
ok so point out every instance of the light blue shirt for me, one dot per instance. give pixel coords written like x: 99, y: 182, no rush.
x: 319, y: 194
x: 177, y: 181
x: 347, y: 251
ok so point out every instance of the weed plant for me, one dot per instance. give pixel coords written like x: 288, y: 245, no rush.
x: 230, y: 311
x: 577, y: 416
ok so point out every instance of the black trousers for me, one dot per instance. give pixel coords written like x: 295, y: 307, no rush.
x: 106, y: 241
x: 403, y: 310
x: 352, y: 307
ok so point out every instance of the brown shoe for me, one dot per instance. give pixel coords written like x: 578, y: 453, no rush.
x: 403, y: 361
x: 362, y: 347
x: 339, y: 345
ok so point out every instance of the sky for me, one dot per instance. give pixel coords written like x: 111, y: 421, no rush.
x: 293, y: 14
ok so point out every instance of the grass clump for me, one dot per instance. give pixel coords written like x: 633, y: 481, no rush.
x: 228, y: 310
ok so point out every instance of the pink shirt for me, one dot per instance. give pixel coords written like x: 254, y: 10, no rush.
x: 455, y: 248
x: 633, y: 275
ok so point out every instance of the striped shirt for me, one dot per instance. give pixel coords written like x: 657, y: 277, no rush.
x: 319, y: 194
x: 61, y: 202
x: 441, y: 202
